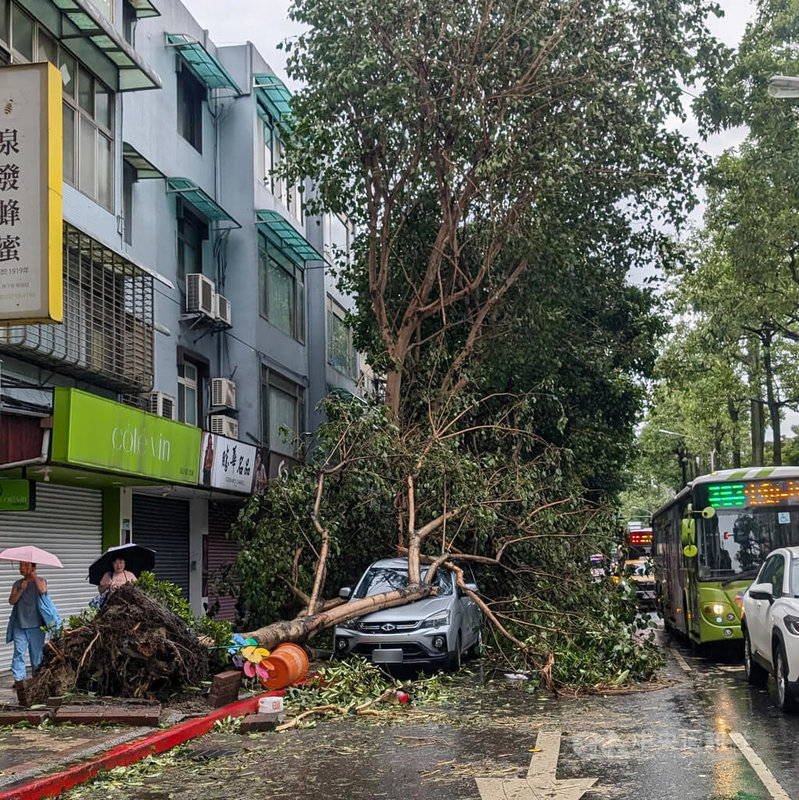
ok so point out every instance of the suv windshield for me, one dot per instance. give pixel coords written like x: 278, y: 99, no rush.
x: 386, y: 579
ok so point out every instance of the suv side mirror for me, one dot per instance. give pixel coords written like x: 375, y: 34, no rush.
x: 762, y: 591
x: 345, y: 592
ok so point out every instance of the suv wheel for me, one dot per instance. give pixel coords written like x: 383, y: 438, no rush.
x: 454, y: 658
x: 786, y: 699
x: 755, y: 674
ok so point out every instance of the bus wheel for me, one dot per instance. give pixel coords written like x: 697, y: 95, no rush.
x: 755, y: 674
x: 786, y: 699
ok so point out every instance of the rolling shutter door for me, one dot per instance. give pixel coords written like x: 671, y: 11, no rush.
x: 220, y: 551
x: 164, y: 525
x: 68, y: 522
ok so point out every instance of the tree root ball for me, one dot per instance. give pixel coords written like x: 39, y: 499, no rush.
x: 134, y: 647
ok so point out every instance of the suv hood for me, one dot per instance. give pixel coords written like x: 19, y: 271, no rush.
x: 419, y: 609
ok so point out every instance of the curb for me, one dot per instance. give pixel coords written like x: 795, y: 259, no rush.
x: 125, y: 754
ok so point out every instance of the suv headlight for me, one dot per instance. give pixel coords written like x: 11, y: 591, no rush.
x: 792, y: 624
x: 437, y: 620
x: 350, y: 624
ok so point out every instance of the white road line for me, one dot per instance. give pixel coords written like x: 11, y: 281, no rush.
x: 756, y: 762
x: 680, y: 660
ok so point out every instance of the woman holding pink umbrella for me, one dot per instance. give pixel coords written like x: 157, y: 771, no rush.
x: 26, y: 625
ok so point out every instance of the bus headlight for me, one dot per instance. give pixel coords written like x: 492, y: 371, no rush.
x: 717, y: 612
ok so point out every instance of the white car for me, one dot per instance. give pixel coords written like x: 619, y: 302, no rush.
x: 770, y: 625
x: 435, y: 631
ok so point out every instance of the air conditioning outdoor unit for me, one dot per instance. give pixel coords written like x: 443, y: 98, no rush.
x: 222, y: 309
x: 223, y: 392
x: 224, y: 426
x: 199, y: 294
x: 161, y: 404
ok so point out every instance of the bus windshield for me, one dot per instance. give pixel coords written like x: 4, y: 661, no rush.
x: 736, y: 541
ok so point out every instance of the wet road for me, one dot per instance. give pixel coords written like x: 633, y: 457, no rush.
x: 706, y: 735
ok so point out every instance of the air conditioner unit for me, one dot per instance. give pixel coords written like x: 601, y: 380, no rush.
x: 199, y: 294
x: 222, y: 309
x: 223, y: 392
x: 224, y: 426
x: 161, y: 404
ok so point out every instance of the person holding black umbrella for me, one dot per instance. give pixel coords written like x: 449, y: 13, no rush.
x: 118, y: 576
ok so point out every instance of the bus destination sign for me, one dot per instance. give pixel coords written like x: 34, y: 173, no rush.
x: 638, y: 538
x: 753, y: 493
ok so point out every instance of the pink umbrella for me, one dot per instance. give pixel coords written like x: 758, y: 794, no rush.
x: 34, y: 555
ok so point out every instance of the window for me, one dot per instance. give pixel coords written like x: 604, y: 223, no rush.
x: 191, y: 94
x: 341, y: 354
x: 266, y: 162
x: 282, y: 290
x: 282, y: 413
x: 128, y: 179
x: 189, y: 409
x: 338, y: 239
x: 192, y: 232
x: 88, y: 109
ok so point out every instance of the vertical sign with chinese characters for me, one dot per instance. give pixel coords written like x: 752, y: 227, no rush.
x: 30, y: 195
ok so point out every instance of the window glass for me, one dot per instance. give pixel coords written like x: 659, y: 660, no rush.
x: 282, y: 408
x: 190, y: 96
x: 21, y: 32
x: 188, y: 395
x: 105, y: 166
x: 85, y: 91
x: 128, y: 179
x: 281, y: 298
x: 68, y: 69
x: 86, y: 156
x: 104, y: 111
x: 191, y: 233
x: 4, y: 21
x: 69, y: 144
x: 48, y: 49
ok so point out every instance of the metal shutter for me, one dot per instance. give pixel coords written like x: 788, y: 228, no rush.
x: 164, y: 526
x: 219, y: 552
x: 67, y: 521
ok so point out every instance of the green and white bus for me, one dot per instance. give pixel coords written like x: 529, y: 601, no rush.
x: 709, y: 543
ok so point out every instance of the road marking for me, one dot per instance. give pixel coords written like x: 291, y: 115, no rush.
x: 762, y: 771
x: 540, y: 782
x: 680, y: 660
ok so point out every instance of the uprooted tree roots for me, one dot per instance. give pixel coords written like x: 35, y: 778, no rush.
x: 134, y: 647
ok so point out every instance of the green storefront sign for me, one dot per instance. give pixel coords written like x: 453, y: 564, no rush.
x: 17, y: 495
x: 94, y: 432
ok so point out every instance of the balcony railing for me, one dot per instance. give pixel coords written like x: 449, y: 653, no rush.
x: 107, y: 335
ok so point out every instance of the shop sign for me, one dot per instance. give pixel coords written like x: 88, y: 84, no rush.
x: 91, y: 431
x: 31, y: 164
x: 17, y: 495
x: 227, y: 464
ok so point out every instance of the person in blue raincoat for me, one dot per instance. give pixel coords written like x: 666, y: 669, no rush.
x: 32, y: 611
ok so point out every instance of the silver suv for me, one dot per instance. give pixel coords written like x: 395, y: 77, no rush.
x: 770, y: 625
x: 434, y: 631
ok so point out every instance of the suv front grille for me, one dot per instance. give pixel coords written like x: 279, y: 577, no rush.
x: 398, y: 627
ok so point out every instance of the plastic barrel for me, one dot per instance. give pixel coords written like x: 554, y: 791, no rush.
x: 290, y: 664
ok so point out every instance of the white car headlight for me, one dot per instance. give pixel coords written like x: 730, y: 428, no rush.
x: 437, y: 620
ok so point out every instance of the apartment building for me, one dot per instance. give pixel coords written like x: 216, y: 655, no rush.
x: 200, y: 320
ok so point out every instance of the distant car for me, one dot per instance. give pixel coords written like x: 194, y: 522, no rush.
x: 770, y: 625
x: 434, y: 631
x: 639, y: 572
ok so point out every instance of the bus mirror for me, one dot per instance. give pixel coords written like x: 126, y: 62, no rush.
x: 708, y: 513
x: 688, y: 534
x: 689, y: 551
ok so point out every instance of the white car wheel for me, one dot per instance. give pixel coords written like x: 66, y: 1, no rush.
x: 755, y: 674
x: 786, y: 699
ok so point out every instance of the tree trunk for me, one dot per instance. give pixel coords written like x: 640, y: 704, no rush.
x: 773, y: 404
x: 735, y: 442
x: 306, y: 626
x: 755, y: 407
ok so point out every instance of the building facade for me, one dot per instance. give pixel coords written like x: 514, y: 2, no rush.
x: 200, y: 320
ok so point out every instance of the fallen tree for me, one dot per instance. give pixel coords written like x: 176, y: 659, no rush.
x: 133, y: 647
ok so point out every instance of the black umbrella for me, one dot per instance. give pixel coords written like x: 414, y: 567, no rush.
x: 137, y: 559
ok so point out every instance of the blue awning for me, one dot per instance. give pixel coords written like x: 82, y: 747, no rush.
x: 274, y: 95
x: 82, y: 21
x: 144, y: 8
x: 194, y: 195
x: 285, y: 236
x: 201, y: 62
x: 144, y: 168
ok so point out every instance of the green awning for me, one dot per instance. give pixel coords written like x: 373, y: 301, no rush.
x: 144, y: 8
x: 194, y: 195
x: 274, y: 95
x: 201, y: 62
x: 144, y: 168
x: 82, y: 21
x: 285, y: 236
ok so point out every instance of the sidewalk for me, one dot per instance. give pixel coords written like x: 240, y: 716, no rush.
x: 44, y: 760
